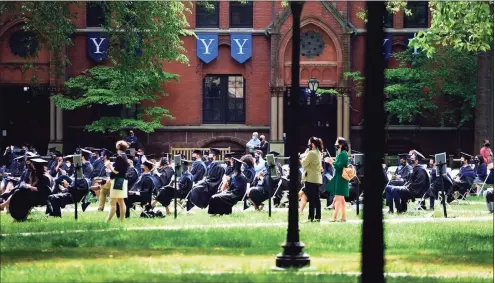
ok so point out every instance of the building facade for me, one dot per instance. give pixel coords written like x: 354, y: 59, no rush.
x: 236, y: 81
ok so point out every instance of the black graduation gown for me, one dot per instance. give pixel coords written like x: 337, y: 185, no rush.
x: 166, y: 175
x: 184, y: 187
x: 87, y: 170
x: 223, y: 202
x: 23, y: 199
x: 201, y: 193
x: 198, y: 170
x: 418, y: 184
x: 403, y: 172
x: 75, y: 192
x: 145, y: 186
x: 131, y: 176
x: 466, y: 176
x: 262, y: 192
x: 98, y: 168
x: 436, y: 186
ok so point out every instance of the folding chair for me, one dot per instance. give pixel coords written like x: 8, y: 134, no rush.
x: 419, y: 201
x: 38, y: 212
x: 484, y: 185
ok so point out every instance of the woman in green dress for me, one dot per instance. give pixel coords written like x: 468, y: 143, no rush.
x: 339, y: 186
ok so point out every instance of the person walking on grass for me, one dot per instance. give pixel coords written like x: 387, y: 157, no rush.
x: 118, y: 189
x: 339, y: 186
x: 311, y: 163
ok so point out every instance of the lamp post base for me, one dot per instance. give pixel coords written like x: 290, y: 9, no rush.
x: 292, y: 256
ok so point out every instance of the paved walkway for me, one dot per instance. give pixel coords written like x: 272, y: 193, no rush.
x: 256, y: 225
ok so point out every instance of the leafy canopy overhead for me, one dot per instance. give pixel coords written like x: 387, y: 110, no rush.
x: 464, y: 25
x: 143, y: 35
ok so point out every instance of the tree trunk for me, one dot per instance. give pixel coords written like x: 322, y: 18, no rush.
x: 374, y: 147
x: 483, y: 126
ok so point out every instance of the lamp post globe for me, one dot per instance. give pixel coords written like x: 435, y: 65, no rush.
x: 313, y: 84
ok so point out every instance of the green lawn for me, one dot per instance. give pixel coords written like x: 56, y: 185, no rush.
x: 460, y: 251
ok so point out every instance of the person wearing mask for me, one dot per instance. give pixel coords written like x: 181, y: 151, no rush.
x: 202, y: 191
x: 253, y: 143
x: 312, y: 178
x: 118, y: 189
x: 464, y: 180
x: 415, y: 187
x: 198, y: 169
x: 131, y: 139
x: 142, y: 189
x: 264, y: 145
x: 486, y: 152
x: 232, y: 191
x: 259, y: 161
x: 339, y: 186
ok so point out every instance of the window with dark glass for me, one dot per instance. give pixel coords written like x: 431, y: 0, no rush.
x: 23, y: 43
x: 207, y: 15
x: 241, y: 14
x: 223, y: 99
x: 95, y: 14
x: 419, y: 15
x: 388, y: 20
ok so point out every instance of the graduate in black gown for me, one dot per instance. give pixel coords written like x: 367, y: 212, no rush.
x: 198, y: 169
x: 143, y: 189
x: 184, y: 186
x: 464, y: 180
x: 165, y: 173
x: 30, y: 193
x: 263, y: 187
x: 202, y: 191
x: 248, y: 168
x: 231, y: 192
x: 75, y: 192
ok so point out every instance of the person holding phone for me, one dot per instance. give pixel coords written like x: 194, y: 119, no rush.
x: 118, y: 187
x: 312, y: 178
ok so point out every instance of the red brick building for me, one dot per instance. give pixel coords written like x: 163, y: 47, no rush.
x: 220, y: 103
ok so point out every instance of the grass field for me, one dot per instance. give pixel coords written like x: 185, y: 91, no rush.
x: 200, y: 248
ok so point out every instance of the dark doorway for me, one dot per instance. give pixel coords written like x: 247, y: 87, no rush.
x: 24, y: 117
x: 318, y: 117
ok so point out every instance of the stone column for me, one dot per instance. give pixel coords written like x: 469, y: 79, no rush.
x: 339, y: 116
x: 52, y: 119
x: 347, y: 118
x: 59, y: 124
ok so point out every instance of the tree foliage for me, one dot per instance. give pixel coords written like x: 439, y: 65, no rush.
x: 463, y: 25
x: 143, y: 35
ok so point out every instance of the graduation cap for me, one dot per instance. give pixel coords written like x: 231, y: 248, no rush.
x: 39, y: 161
x: 466, y: 156
x: 229, y: 155
x: 68, y: 156
x: 164, y: 161
x: 418, y: 155
x: 58, y: 154
x: 150, y: 156
x: 52, y: 149
x: 274, y: 153
x: 404, y: 156
x: 86, y: 153
x: 237, y: 164
x: 107, y: 153
x: 197, y: 151
x: 215, y: 151
x: 149, y: 164
x: 62, y: 178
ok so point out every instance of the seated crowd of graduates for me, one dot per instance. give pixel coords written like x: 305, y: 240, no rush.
x: 415, y: 180
x: 205, y: 181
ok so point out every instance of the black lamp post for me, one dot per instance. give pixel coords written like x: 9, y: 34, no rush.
x: 293, y: 256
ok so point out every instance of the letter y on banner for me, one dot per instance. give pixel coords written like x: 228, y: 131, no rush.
x: 97, y: 46
x: 207, y: 46
x: 241, y: 46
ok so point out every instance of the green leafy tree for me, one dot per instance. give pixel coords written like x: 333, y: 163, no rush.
x: 466, y: 26
x: 143, y: 35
